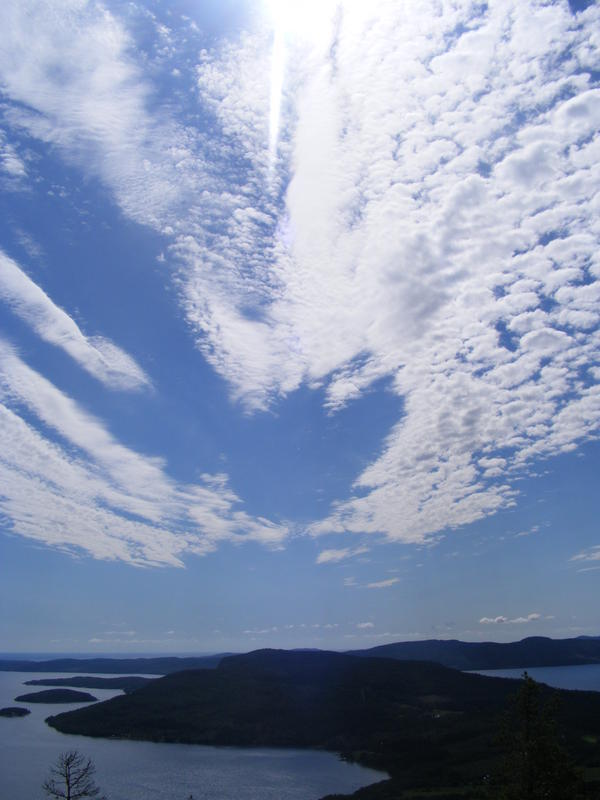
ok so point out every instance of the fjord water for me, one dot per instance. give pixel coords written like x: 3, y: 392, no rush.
x: 584, y: 677
x: 128, y: 770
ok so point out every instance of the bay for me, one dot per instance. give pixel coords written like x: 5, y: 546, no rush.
x: 585, y: 677
x: 128, y: 770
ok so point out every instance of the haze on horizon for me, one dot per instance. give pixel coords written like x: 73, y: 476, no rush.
x: 299, y: 323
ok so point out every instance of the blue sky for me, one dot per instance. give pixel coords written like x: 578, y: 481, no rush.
x: 299, y: 323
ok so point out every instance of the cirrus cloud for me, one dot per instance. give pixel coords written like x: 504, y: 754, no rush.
x: 97, y: 355
x: 67, y: 482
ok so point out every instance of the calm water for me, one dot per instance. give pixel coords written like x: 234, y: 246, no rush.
x: 585, y: 677
x: 148, y: 771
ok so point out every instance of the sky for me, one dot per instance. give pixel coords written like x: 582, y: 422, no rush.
x: 299, y: 323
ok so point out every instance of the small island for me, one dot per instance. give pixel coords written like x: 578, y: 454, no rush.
x: 56, y: 696
x: 14, y: 711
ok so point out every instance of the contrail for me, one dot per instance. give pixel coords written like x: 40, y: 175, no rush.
x: 277, y: 75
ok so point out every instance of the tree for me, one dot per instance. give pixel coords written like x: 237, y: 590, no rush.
x: 72, y: 778
x: 536, y: 766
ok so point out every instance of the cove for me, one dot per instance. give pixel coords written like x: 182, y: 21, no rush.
x: 132, y: 770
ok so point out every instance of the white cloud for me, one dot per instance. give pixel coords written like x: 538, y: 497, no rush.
x: 340, y: 554
x: 79, y: 90
x: 383, y: 584
x: 181, y: 644
x: 71, y: 485
x: 260, y: 631
x: 525, y: 620
x: 440, y: 226
x: 534, y: 529
x: 591, y: 554
x: 365, y: 625
x: 502, y: 620
x: 98, y: 356
x: 11, y: 162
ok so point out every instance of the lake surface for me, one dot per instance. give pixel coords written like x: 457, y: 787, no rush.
x: 585, y: 677
x: 127, y: 770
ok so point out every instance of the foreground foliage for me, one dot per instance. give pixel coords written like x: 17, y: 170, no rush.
x: 72, y: 778
x: 536, y: 764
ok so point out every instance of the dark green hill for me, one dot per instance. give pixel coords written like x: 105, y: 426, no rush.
x: 128, y: 683
x: 422, y: 722
x: 535, y: 651
x: 56, y: 696
x: 315, y: 699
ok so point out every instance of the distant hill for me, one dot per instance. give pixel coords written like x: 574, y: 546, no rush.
x: 56, y: 696
x: 162, y: 665
x: 419, y: 721
x: 535, y: 651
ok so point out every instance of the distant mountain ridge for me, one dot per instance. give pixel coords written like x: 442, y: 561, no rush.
x: 534, y: 651
x: 162, y: 665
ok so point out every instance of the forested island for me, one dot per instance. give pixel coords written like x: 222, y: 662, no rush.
x: 428, y: 726
x: 14, y: 711
x: 56, y: 696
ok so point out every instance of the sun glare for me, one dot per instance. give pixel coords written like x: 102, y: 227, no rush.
x: 310, y: 21
x: 306, y: 19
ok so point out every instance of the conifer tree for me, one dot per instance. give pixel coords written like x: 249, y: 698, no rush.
x: 536, y: 766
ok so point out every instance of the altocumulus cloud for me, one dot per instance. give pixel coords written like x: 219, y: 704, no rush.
x: 11, y: 163
x: 431, y: 218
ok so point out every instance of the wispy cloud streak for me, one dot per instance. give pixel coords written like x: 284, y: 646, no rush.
x: 68, y: 483
x: 384, y: 584
x: 335, y: 555
x: 591, y: 554
x: 97, y: 355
